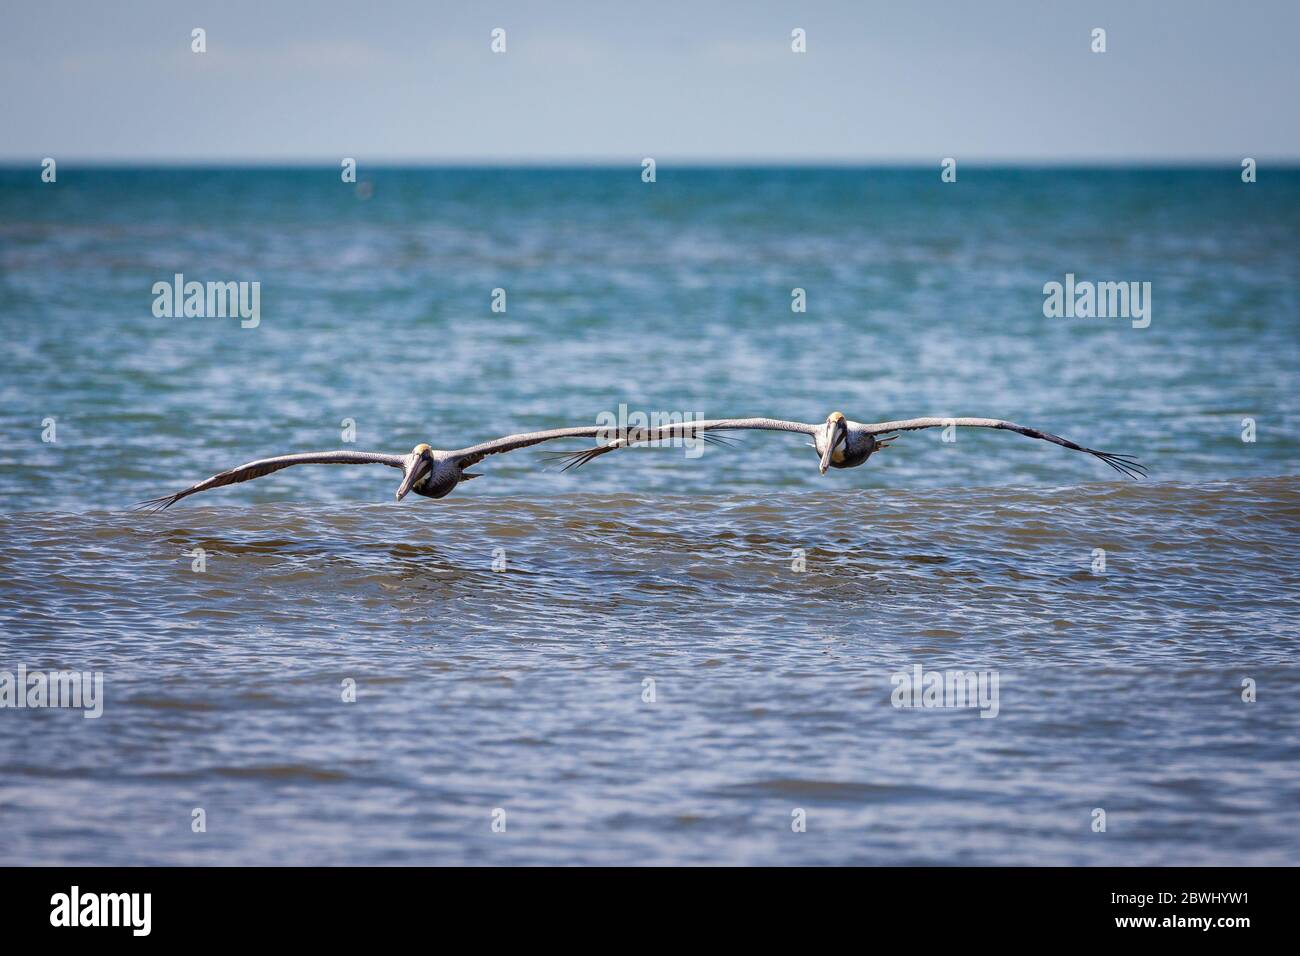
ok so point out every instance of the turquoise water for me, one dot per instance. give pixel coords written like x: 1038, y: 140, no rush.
x: 923, y: 298
x: 522, y: 689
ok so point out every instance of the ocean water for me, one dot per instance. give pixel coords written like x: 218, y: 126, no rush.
x: 505, y: 642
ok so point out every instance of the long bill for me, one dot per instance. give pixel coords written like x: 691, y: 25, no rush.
x: 417, y: 470
x: 838, y: 433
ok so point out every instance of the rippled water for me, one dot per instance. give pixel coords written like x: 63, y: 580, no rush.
x: 523, y: 689
x: 922, y: 299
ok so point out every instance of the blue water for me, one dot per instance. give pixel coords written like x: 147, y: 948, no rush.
x: 522, y: 689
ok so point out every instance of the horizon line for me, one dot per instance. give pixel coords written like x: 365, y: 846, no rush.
x: 696, y: 162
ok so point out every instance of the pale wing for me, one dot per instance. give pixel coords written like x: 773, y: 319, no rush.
x: 760, y: 424
x: 472, y: 455
x: 264, y: 466
x: 699, y: 429
x: 1126, y: 465
x: 465, y: 457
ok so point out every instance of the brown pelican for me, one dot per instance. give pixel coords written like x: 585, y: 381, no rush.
x: 426, y: 471
x: 841, y: 443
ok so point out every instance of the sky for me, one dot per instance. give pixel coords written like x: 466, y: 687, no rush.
x: 613, y: 82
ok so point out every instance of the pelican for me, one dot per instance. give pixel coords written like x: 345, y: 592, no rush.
x: 426, y: 471
x: 841, y: 443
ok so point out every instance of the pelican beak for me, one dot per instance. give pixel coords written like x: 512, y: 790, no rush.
x: 838, y: 431
x: 414, y: 472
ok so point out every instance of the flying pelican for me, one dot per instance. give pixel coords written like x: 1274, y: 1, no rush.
x: 841, y: 443
x: 426, y: 471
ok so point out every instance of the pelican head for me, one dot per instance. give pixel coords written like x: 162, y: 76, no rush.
x: 837, y: 431
x: 418, y: 466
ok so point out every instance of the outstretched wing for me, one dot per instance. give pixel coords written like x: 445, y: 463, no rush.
x: 576, y: 459
x: 264, y: 466
x: 759, y: 424
x: 1126, y: 465
x: 472, y: 455
x: 698, y: 429
x: 465, y: 457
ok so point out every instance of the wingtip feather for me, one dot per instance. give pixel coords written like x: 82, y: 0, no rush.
x: 154, y: 505
x: 1126, y: 465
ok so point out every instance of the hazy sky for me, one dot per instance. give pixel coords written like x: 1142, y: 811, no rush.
x: 415, y: 80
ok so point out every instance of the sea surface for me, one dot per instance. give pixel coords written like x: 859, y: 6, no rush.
x: 660, y: 658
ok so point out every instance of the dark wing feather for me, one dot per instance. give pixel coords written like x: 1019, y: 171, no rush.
x: 265, y: 466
